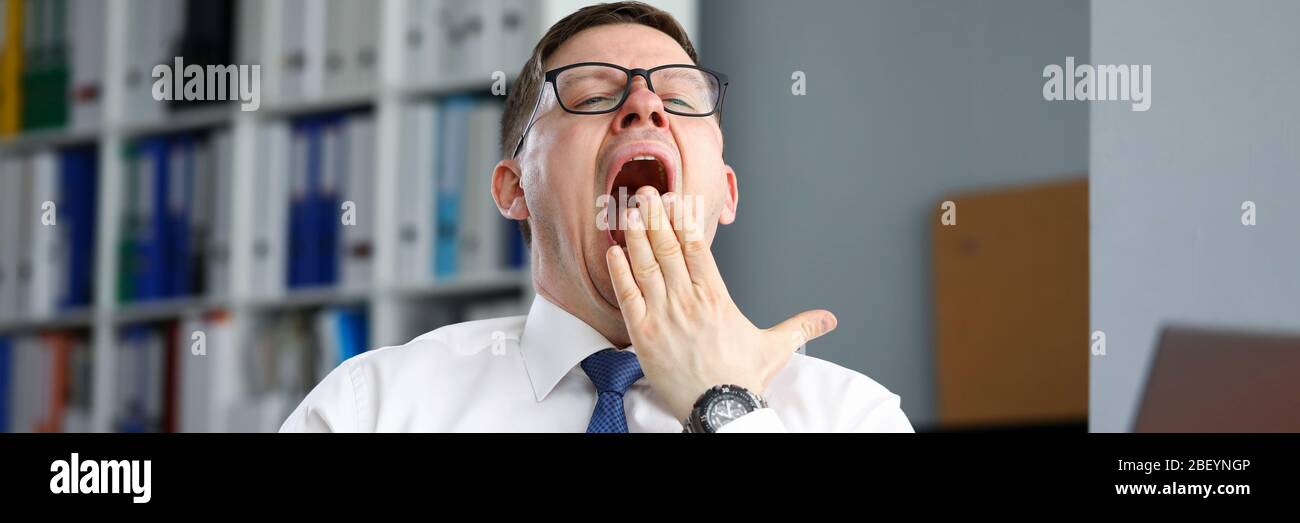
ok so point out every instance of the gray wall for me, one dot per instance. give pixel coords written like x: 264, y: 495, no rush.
x: 907, y: 101
x: 1168, y: 184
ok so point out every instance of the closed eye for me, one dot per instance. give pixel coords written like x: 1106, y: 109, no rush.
x: 680, y: 102
x: 594, y: 100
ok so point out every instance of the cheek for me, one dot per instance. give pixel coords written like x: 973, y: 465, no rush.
x: 562, y: 191
x: 569, y: 145
x: 702, y: 163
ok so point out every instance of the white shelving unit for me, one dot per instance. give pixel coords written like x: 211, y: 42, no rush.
x: 388, y: 301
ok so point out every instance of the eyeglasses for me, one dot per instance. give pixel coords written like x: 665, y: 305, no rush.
x: 601, y: 88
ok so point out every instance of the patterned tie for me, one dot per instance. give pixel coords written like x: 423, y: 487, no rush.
x: 612, y: 372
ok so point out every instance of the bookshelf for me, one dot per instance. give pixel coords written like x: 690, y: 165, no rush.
x: 389, y: 301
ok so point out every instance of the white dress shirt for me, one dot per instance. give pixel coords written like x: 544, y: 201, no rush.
x: 522, y: 374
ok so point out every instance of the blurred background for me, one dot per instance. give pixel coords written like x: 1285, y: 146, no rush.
x: 1195, y: 222
x: 897, y: 164
x: 909, y: 104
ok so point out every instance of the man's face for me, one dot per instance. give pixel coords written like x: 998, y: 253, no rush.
x: 568, y: 161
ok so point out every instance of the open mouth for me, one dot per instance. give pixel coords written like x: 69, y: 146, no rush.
x: 635, y: 173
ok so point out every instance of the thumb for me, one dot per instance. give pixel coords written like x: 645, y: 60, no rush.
x: 805, y: 327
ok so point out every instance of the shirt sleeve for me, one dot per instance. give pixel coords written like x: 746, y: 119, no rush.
x: 887, y: 416
x: 761, y: 420
x: 884, y: 416
x: 330, y: 407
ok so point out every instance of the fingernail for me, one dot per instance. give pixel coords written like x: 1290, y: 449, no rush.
x: 828, y: 323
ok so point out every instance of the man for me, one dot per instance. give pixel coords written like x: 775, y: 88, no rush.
x: 632, y: 329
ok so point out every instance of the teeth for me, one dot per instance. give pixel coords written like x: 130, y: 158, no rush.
x: 643, y: 158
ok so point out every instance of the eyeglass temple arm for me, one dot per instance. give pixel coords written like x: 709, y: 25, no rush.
x: 531, y: 121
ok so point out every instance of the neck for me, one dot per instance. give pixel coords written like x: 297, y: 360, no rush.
x: 609, y: 325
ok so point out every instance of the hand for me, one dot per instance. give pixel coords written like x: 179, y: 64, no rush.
x: 688, y: 333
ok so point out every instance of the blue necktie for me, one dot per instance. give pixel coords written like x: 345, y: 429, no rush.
x: 612, y: 372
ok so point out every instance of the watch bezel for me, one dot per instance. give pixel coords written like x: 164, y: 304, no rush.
x: 700, y: 413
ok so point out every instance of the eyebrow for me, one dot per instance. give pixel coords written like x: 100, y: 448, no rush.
x: 586, y: 75
x: 672, y: 72
x: 677, y: 72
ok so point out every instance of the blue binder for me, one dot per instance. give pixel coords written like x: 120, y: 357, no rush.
x: 151, y: 244
x: 301, y: 242
x: 453, y: 132
x: 326, y: 219
x: 6, y: 382
x: 178, y: 217
x: 78, y: 192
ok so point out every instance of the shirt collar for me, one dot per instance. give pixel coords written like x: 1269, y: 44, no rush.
x: 553, y: 343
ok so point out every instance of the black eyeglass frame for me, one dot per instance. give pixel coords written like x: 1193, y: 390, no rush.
x: 553, y: 74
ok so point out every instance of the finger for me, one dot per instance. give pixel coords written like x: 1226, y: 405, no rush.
x: 662, y: 240
x: 803, y: 328
x: 645, y: 269
x: 686, y: 223
x: 629, y: 296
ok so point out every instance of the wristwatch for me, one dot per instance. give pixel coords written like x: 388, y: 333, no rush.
x: 719, y: 406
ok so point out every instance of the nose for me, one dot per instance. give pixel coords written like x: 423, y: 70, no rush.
x: 642, y: 107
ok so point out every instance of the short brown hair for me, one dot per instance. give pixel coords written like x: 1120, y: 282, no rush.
x: 522, y: 99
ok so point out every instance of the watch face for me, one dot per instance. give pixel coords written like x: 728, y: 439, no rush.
x: 726, y: 408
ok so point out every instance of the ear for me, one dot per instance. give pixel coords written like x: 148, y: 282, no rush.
x: 728, y: 213
x: 507, y: 190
